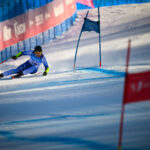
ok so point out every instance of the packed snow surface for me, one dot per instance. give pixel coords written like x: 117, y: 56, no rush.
x: 80, y: 109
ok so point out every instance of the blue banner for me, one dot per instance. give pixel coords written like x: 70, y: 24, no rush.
x: 90, y: 25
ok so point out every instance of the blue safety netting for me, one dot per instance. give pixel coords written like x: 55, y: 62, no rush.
x: 102, y: 3
x: 117, y: 2
x: 12, y: 8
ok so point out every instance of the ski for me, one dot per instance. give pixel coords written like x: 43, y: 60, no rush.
x: 13, y: 77
x: 38, y: 74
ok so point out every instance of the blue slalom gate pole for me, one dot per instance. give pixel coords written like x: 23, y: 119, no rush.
x: 79, y: 41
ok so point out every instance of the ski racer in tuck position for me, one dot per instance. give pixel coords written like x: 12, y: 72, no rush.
x: 31, y: 66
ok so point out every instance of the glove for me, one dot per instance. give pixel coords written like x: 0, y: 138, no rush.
x: 14, y: 57
x: 18, y: 55
x: 44, y: 73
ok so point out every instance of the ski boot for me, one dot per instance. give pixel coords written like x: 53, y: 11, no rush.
x: 1, y: 75
x: 17, y: 75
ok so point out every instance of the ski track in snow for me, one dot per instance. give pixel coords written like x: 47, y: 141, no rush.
x: 80, y: 109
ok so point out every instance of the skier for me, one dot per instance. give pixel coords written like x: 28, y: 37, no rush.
x: 31, y: 66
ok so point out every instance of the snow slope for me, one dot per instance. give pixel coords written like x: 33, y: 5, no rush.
x: 80, y: 109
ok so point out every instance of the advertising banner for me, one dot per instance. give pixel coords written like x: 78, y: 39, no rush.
x: 35, y: 21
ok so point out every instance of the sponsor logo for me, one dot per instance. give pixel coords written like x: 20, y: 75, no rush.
x: 47, y: 16
x: 137, y: 87
x: 59, y: 10
x: 31, y: 23
x: 39, y: 19
x: 68, y: 2
x: 6, y: 33
x: 19, y: 28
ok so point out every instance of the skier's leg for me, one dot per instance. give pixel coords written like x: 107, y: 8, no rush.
x: 9, y: 72
x: 31, y: 70
x: 21, y: 69
x: 17, y: 70
x: 24, y: 66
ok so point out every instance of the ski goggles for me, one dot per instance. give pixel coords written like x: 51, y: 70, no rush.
x: 38, y: 53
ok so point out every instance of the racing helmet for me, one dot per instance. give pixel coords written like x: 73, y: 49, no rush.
x: 38, y: 49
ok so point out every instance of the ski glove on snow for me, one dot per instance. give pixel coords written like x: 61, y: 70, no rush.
x: 46, y: 72
x: 18, y: 55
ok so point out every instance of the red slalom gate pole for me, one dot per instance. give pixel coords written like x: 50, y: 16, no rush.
x: 124, y: 96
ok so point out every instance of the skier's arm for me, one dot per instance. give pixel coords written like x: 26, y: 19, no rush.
x: 46, y: 66
x: 21, y: 53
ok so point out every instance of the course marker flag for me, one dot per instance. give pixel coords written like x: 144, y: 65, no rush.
x: 136, y: 89
x: 90, y: 25
x: 86, y: 2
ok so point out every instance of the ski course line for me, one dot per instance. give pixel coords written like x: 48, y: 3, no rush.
x: 102, y: 70
x: 56, y: 85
